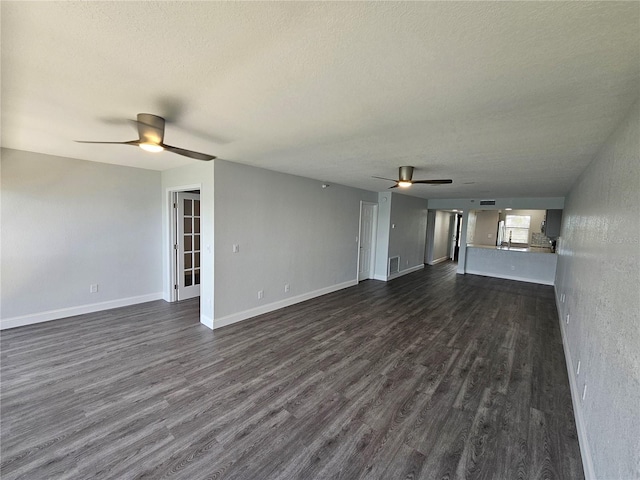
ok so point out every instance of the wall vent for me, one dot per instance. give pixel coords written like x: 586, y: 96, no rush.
x: 487, y: 202
x: 394, y: 265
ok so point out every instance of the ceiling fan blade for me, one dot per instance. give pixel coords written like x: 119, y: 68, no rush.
x: 130, y: 142
x: 434, y: 182
x: 188, y: 153
x: 395, y: 186
x: 382, y: 178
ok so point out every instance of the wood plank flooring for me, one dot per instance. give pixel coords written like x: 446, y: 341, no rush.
x: 430, y: 376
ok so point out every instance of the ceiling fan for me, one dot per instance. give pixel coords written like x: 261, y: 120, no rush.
x: 405, y: 175
x: 151, y: 136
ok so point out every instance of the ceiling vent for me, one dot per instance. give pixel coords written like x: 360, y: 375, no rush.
x: 487, y: 202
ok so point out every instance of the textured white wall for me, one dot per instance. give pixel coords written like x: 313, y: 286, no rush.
x: 70, y: 223
x: 408, y: 238
x: 198, y: 174
x: 289, y: 230
x: 599, y: 273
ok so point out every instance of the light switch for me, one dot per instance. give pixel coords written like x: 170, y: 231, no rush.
x: 236, y: 248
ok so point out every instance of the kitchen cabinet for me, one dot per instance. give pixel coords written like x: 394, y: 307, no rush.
x: 553, y: 222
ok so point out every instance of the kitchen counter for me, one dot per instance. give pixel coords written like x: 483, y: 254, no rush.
x: 514, y: 249
x: 532, y: 264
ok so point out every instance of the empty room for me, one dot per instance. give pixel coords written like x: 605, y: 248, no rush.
x: 312, y: 240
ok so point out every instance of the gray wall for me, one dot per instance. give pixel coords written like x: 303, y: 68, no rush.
x: 486, y: 227
x: 441, y: 236
x: 70, y: 223
x: 470, y: 229
x: 408, y: 236
x: 382, y: 240
x: 599, y: 274
x: 289, y: 230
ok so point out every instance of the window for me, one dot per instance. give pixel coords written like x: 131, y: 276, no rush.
x: 517, y: 228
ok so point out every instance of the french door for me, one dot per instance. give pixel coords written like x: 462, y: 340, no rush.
x: 188, y: 245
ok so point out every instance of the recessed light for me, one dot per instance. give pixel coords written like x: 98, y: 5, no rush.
x: 508, y: 209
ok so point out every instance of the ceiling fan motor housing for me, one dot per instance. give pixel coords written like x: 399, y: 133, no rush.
x: 150, y: 128
x: 405, y: 174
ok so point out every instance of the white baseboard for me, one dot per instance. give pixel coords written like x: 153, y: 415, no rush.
x: 253, y: 312
x: 49, y: 315
x: 406, y: 271
x: 206, y: 321
x: 511, y: 277
x: 438, y: 260
x: 399, y: 274
x: 585, y: 449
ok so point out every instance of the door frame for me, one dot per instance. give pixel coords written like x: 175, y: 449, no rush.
x: 374, y: 238
x: 172, y: 235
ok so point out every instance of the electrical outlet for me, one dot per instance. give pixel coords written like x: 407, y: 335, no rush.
x: 93, y: 288
x: 260, y: 294
x: 287, y: 287
x: 584, y: 392
x: 513, y: 267
x: 235, y: 248
x: 568, y: 318
x: 578, y: 369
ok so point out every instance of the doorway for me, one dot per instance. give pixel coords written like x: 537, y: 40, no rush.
x: 367, y: 240
x: 443, y: 236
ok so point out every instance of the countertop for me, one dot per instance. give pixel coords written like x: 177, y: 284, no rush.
x: 515, y: 249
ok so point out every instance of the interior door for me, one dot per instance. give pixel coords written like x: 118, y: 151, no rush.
x: 367, y: 240
x: 188, y: 245
x: 458, y: 232
x: 453, y: 231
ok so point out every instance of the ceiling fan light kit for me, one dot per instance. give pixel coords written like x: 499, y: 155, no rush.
x: 405, y: 176
x: 151, y: 138
x: 151, y: 147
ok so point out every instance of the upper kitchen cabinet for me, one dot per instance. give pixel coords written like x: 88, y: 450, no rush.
x: 553, y: 223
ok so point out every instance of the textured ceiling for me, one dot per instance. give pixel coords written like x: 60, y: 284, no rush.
x: 516, y: 97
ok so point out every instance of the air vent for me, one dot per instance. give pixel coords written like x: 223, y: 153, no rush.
x: 394, y: 265
x: 487, y: 202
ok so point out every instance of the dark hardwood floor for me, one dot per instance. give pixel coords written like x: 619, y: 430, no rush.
x: 430, y: 376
